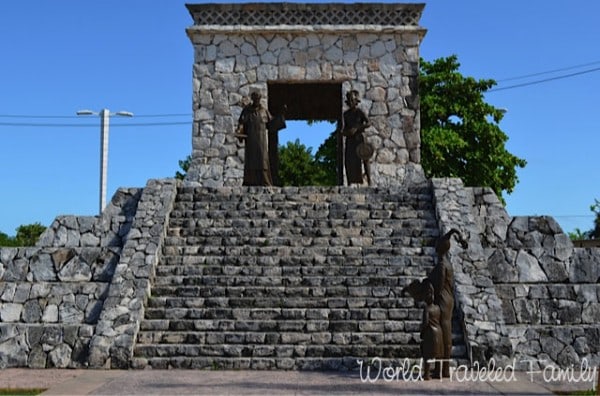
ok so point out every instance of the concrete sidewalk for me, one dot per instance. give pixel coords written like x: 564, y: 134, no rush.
x: 199, y: 382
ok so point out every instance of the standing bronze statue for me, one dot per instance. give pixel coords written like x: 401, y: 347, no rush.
x: 252, y: 128
x: 432, y: 340
x: 358, y: 150
x: 442, y: 279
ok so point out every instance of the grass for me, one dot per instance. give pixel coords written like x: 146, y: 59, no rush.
x: 21, y: 391
x: 589, y: 392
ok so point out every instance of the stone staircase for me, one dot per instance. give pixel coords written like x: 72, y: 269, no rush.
x: 289, y: 278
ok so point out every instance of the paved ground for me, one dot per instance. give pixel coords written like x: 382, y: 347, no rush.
x: 196, y: 382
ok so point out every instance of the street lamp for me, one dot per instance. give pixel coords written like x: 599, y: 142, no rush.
x: 104, y: 117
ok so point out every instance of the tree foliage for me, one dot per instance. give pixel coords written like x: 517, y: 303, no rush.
x: 326, y: 160
x: 27, y: 235
x: 595, y: 232
x: 298, y: 167
x: 460, y: 136
x: 184, y: 165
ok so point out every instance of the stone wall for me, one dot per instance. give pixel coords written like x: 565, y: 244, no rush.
x: 123, y: 310
x: 380, y: 60
x: 485, y: 330
x: 550, y: 293
x: 108, y: 229
x: 549, y: 289
x: 75, y: 306
x: 50, y: 300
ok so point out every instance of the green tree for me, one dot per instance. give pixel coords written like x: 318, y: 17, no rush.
x: 578, y: 235
x: 595, y: 232
x: 27, y: 235
x: 184, y: 165
x: 326, y: 160
x: 297, y: 166
x: 460, y: 136
x: 6, y: 240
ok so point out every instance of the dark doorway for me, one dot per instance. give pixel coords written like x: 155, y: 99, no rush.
x: 318, y: 101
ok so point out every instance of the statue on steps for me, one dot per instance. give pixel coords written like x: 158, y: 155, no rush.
x: 432, y: 341
x: 358, y: 151
x: 252, y: 128
x: 441, y: 278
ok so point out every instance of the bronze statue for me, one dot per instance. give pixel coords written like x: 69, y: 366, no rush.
x: 252, y: 128
x: 358, y: 150
x: 432, y: 343
x: 441, y: 278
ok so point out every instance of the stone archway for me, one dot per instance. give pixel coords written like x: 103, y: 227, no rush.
x: 370, y: 48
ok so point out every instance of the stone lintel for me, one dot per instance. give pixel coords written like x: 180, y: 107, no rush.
x: 303, y: 29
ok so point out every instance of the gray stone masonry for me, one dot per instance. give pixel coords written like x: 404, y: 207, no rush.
x: 112, y: 343
x: 295, y: 43
x: 297, y: 278
x: 108, y: 229
x: 50, y: 301
x: 549, y: 289
x: 487, y: 335
x: 289, y: 278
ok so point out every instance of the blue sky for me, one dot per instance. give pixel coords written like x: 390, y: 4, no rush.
x: 62, y: 56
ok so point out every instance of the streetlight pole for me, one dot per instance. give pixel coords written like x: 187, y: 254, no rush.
x: 104, y: 123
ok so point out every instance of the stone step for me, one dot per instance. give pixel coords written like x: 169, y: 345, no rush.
x: 316, y: 194
x: 197, y: 270
x: 279, y: 281
x: 276, y: 239
x: 408, y: 348
x: 264, y: 248
x: 289, y: 213
x: 277, y: 351
x: 278, y: 292
x: 400, y: 235
x: 300, y: 217
x: 277, y: 332
x: 225, y: 317
x: 299, y: 327
x: 349, y: 362
x: 196, y: 266
x: 320, y: 194
x: 294, y: 211
x: 316, y: 259
x: 227, y: 303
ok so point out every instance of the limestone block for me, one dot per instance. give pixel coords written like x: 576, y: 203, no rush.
x: 22, y: 293
x: 591, y: 313
x: 340, y: 72
x: 313, y: 71
x: 527, y: 311
x: 227, y: 48
x: 299, y: 43
x: 50, y: 314
x: 206, y: 53
x: 10, y: 312
x: 225, y: 65
x: 60, y: 357
x: 32, y: 312
x: 529, y: 268
x: 555, y: 270
x: 291, y: 72
x: 267, y: 72
x: 75, y: 271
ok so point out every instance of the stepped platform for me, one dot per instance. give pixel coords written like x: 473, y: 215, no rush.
x: 288, y: 278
